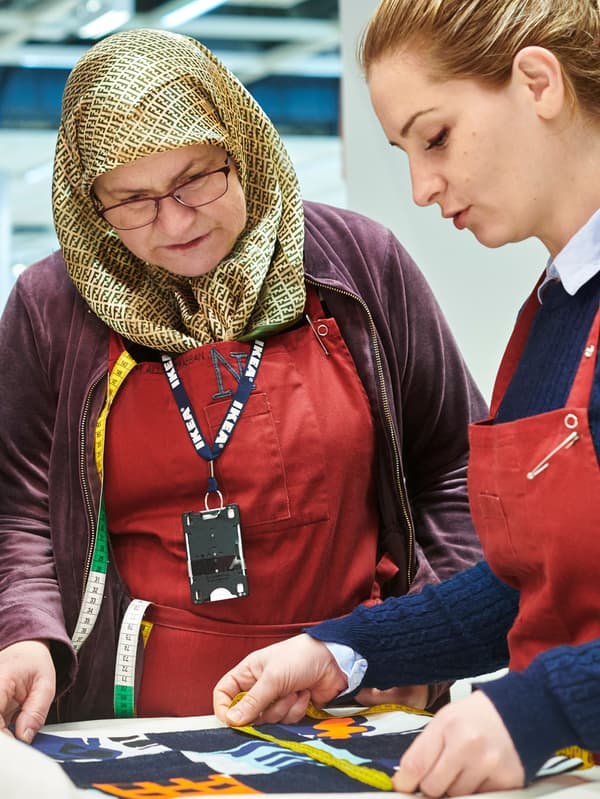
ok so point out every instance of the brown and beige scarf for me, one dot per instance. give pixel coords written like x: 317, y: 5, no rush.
x: 145, y: 91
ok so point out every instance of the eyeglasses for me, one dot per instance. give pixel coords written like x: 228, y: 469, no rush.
x: 198, y: 190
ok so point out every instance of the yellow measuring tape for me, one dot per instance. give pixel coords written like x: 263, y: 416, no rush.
x: 586, y: 757
x: 94, y: 587
x: 365, y: 774
x: 133, y: 623
x: 368, y: 776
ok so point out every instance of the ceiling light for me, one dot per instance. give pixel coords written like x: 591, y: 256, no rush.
x: 188, y: 11
x: 96, y: 18
x: 105, y: 23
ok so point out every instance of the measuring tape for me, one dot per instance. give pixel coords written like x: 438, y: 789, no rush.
x: 94, y: 588
x: 367, y: 775
x: 124, y: 690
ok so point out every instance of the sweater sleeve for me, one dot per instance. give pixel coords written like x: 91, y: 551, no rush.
x: 30, y: 601
x: 455, y: 629
x: 553, y: 703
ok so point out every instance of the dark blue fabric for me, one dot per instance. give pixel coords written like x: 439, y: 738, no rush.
x: 173, y: 763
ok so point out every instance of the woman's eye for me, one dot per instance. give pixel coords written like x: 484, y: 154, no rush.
x: 439, y: 140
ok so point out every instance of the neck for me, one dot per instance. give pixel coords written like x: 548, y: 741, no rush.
x: 575, y: 187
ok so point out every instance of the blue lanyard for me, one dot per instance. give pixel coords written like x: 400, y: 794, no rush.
x: 230, y: 420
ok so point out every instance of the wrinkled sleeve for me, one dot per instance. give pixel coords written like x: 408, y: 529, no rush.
x: 439, y: 398
x: 30, y: 603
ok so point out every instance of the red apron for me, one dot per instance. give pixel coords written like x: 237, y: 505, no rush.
x: 299, y: 465
x: 534, y: 487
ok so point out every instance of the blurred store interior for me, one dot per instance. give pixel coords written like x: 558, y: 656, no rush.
x: 287, y: 52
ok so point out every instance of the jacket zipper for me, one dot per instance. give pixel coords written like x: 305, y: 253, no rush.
x: 388, y: 418
x: 88, y: 505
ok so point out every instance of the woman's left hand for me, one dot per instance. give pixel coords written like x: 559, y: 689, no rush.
x: 464, y: 749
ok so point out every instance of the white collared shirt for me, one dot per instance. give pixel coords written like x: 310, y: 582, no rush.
x: 579, y: 259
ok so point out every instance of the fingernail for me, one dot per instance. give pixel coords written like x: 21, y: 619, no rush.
x: 234, y: 715
x: 28, y: 735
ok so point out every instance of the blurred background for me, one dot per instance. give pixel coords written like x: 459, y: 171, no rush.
x: 286, y: 51
x: 298, y: 58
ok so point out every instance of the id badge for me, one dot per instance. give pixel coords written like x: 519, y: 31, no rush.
x: 215, y: 557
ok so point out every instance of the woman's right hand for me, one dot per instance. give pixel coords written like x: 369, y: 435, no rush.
x: 280, y: 680
x: 27, y: 687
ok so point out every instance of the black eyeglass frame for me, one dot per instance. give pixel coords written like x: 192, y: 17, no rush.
x: 226, y: 169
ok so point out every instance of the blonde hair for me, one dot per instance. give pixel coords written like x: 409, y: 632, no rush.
x: 479, y: 39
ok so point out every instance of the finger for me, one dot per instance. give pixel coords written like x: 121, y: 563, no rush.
x: 11, y: 713
x: 34, y: 710
x: 263, y: 694
x: 467, y: 782
x: 451, y: 771
x: 417, y: 762
x: 223, y: 694
x: 288, y: 709
x: 299, y: 708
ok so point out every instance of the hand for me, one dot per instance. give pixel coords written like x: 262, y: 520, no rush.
x: 464, y: 749
x: 27, y: 687
x: 281, y: 680
x: 411, y: 695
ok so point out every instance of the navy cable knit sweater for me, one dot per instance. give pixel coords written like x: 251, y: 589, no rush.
x: 458, y: 629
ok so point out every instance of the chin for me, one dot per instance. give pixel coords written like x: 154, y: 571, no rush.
x: 492, y: 239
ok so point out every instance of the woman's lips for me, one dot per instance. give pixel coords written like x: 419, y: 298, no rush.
x: 188, y: 245
x: 460, y: 219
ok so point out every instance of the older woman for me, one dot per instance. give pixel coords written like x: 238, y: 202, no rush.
x: 225, y: 415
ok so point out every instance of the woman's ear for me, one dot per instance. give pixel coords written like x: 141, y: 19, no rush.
x: 538, y: 71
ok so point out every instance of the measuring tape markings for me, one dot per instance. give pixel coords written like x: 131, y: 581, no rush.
x: 124, y: 688
x: 94, y: 588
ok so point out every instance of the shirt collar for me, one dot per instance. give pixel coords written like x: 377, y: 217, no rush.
x: 579, y: 260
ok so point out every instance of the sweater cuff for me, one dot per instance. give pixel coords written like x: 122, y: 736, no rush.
x: 534, y: 722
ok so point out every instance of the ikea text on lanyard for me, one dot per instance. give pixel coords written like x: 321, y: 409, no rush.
x: 213, y: 539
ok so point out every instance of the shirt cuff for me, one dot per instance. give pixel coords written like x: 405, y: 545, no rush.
x: 351, y: 663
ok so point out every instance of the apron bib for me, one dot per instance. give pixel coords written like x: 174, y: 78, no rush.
x: 534, y: 488
x: 299, y: 466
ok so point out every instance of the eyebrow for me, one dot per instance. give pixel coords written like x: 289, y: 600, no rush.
x: 133, y: 192
x: 405, y: 130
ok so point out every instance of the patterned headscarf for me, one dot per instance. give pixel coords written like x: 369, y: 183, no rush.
x: 141, y: 92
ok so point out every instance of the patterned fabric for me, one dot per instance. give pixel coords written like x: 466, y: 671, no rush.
x: 351, y: 754
x: 221, y: 761
x: 144, y: 91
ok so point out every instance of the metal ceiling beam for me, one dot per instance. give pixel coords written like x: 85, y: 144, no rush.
x: 17, y: 27
x: 266, y: 3
x: 248, y: 66
x: 214, y: 26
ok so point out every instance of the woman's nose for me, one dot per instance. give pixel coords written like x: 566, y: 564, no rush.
x: 427, y: 185
x: 174, y: 216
